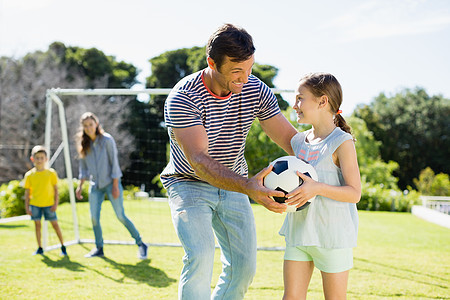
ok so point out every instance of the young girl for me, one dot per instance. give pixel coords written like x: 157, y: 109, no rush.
x: 323, y: 234
x: 99, y: 165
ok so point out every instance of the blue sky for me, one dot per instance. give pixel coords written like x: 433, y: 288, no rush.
x: 371, y: 46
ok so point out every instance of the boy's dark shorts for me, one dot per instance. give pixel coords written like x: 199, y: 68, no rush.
x: 37, y: 212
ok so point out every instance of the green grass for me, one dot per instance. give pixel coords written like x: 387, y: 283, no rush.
x: 398, y: 257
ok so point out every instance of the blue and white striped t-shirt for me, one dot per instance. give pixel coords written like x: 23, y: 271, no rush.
x: 227, y: 121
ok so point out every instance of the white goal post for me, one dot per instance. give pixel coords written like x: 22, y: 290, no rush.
x: 53, y: 97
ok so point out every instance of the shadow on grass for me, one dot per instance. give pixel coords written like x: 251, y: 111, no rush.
x: 63, y: 262
x: 9, y: 226
x: 404, y: 274
x: 412, y: 272
x: 142, y: 272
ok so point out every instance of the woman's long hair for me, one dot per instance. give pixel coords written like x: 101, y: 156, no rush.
x: 83, y: 140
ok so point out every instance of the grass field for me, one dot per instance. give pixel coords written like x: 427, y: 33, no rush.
x: 398, y: 257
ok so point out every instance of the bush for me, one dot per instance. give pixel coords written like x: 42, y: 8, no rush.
x: 12, y: 200
x: 63, y: 190
x: 431, y: 184
x: 12, y: 196
x: 379, y: 198
x: 129, y: 192
x: 162, y: 191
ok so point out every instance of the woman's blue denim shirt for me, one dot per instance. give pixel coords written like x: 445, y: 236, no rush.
x: 101, y: 164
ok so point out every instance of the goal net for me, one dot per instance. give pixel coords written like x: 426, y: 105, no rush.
x: 147, y: 209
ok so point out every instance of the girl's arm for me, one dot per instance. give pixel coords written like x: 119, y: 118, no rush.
x: 348, y: 162
x: 350, y: 192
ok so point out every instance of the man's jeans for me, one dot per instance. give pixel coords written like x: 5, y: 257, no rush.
x: 197, y: 209
x: 96, y: 197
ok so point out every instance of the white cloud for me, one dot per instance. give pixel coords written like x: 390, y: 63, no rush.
x: 390, y: 29
x: 381, y: 19
x: 25, y: 4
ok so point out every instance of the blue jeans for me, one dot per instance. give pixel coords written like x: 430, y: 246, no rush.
x: 96, y: 197
x: 199, y: 211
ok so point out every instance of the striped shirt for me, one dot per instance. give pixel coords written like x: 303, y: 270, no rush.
x: 227, y: 121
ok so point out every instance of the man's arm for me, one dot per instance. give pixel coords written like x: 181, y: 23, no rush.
x: 194, y: 143
x: 280, y: 131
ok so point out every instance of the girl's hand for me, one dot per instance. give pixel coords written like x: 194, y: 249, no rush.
x: 53, y: 208
x: 308, y: 190
x: 28, y: 210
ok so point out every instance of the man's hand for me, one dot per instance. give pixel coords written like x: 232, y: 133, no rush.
x: 262, y: 195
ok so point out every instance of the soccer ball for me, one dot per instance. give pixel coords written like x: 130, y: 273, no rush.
x: 283, y: 177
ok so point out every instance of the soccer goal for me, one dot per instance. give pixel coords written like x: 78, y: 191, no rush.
x: 151, y: 215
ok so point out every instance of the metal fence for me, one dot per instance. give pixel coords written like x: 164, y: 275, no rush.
x: 439, y: 203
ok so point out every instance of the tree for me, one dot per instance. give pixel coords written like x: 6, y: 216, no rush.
x: 267, y: 73
x: 22, y: 117
x: 24, y: 82
x: 147, y: 118
x: 171, y: 66
x: 148, y: 157
x: 372, y: 168
x: 99, y: 69
x: 431, y: 184
x: 413, y: 129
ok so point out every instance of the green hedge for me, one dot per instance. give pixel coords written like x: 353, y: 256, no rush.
x: 12, y: 196
x: 12, y: 199
x: 378, y: 198
x: 373, y: 197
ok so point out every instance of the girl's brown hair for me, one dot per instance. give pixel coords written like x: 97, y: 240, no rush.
x: 320, y: 84
x: 83, y: 140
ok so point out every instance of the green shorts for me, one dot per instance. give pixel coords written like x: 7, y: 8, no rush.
x: 326, y: 260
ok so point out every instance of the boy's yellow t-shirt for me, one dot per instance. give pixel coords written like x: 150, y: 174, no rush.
x: 41, y: 185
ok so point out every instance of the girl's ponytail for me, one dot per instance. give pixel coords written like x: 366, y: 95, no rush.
x: 339, y: 121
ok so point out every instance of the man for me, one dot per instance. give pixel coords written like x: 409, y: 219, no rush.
x: 208, y: 115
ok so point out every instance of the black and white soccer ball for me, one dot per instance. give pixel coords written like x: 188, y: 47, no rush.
x: 283, y: 177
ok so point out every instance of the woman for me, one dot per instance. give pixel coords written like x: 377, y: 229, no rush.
x: 100, y: 165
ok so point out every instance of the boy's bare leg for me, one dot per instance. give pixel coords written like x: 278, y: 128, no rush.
x: 37, y: 226
x: 58, y: 231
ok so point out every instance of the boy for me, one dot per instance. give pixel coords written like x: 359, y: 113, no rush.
x: 41, y: 195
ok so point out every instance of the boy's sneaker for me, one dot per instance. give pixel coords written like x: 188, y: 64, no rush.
x: 142, y: 254
x: 63, y: 251
x: 96, y: 252
x: 39, y: 251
